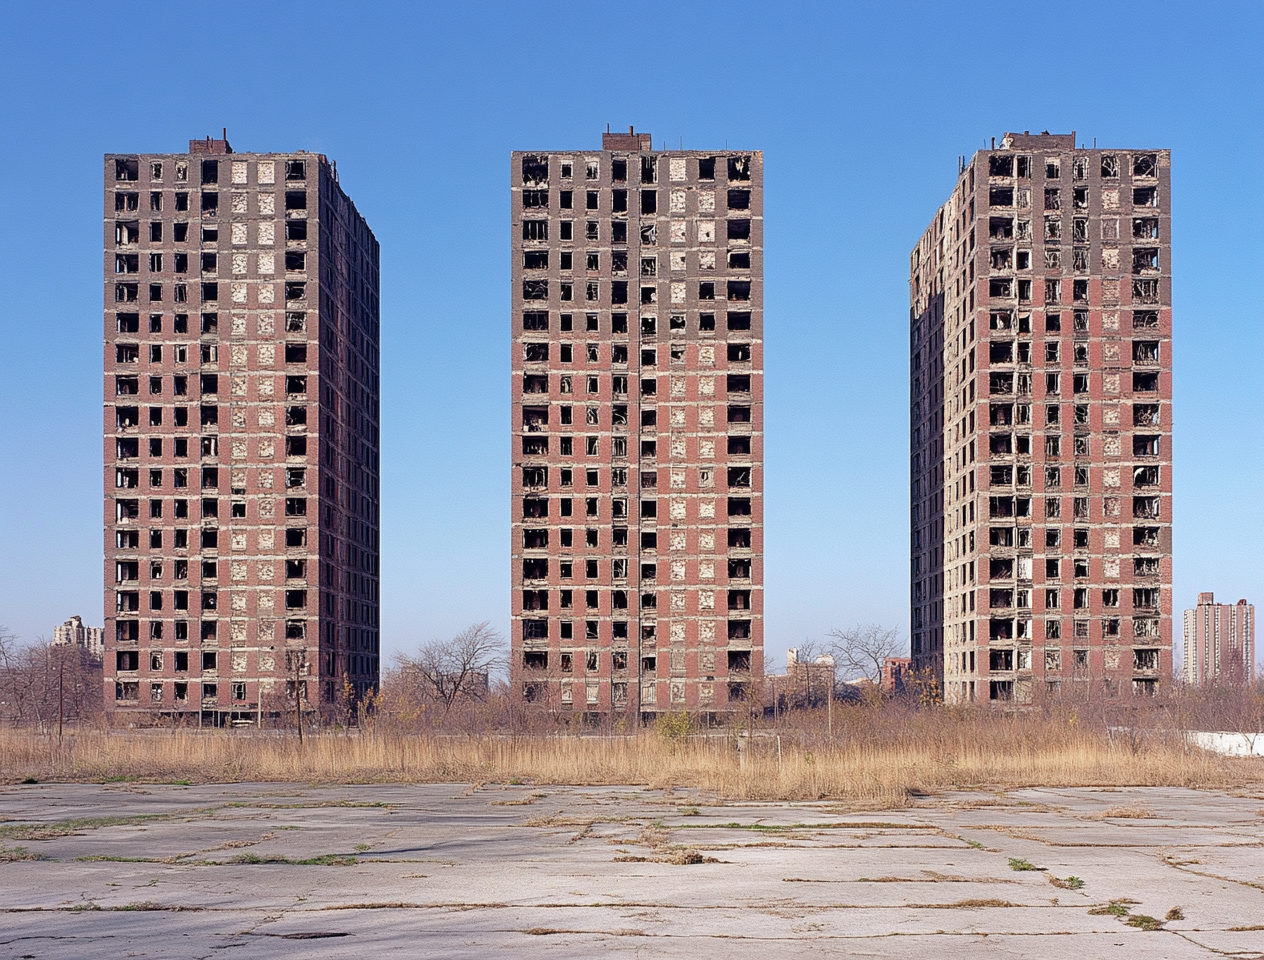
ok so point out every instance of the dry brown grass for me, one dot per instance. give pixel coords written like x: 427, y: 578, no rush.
x: 866, y: 767
x: 1134, y: 811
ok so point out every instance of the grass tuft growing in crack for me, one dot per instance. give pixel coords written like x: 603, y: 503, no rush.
x: 17, y: 854
x: 1116, y: 908
x: 1070, y: 883
x: 67, y: 828
x: 324, y: 860
x: 1134, y: 811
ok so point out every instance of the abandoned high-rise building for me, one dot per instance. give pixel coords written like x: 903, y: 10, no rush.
x: 1219, y: 642
x: 637, y: 549
x: 241, y: 434
x: 1041, y: 419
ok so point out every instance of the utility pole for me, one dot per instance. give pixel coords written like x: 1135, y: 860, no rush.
x: 829, y: 702
x: 61, y: 700
x: 298, y: 695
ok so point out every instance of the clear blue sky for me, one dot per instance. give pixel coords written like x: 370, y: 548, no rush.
x: 861, y: 111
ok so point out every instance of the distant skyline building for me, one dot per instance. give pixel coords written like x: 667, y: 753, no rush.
x: 1041, y: 425
x: 897, y: 675
x: 73, y: 633
x: 1219, y: 643
x: 241, y: 434
x: 637, y: 430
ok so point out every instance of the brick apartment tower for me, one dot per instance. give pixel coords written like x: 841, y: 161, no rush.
x: 1219, y: 642
x: 241, y: 434
x: 1041, y: 416
x: 637, y: 550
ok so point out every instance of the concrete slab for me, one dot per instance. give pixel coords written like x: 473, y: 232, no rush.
x: 456, y: 871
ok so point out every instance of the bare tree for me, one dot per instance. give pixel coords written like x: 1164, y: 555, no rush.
x: 42, y: 682
x: 861, y: 651
x: 13, y: 686
x: 456, y: 669
x: 8, y: 693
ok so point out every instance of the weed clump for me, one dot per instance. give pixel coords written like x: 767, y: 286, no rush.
x: 673, y: 727
x: 1070, y: 883
x: 17, y: 854
x: 1116, y: 908
x: 324, y: 860
x: 1135, y: 811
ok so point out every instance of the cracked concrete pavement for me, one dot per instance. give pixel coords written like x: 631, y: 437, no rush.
x: 443, y: 870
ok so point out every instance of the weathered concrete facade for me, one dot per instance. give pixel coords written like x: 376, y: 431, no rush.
x: 1219, y: 642
x: 241, y: 434
x: 1041, y: 419
x: 73, y: 633
x: 637, y: 551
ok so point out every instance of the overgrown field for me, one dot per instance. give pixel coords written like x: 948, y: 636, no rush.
x: 875, y: 757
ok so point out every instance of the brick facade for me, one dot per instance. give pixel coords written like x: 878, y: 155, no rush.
x: 1041, y: 416
x: 241, y: 434
x: 637, y: 424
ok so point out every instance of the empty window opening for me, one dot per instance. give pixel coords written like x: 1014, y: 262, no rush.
x: 128, y: 169
x: 1001, y: 196
x: 535, y: 170
x: 1001, y: 228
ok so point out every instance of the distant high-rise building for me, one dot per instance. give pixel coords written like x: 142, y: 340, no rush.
x: 637, y: 550
x: 1041, y: 481
x: 241, y: 433
x: 73, y: 633
x: 1219, y: 642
